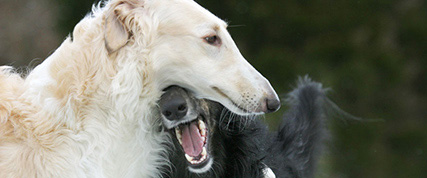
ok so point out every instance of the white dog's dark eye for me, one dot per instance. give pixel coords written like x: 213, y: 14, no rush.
x: 213, y: 40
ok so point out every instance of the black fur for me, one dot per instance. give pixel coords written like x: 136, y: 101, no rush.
x: 242, y: 147
x: 297, y: 145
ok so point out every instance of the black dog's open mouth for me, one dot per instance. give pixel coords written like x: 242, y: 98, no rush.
x: 193, y: 138
x: 185, y: 117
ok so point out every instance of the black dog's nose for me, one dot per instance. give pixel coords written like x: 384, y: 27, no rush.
x: 173, y: 105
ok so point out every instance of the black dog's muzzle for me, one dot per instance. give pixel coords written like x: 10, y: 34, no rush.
x: 177, y: 107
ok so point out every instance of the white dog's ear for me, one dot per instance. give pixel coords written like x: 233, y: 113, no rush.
x: 117, y: 25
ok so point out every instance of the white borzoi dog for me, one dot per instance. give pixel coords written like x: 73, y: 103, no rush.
x: 90, y: 109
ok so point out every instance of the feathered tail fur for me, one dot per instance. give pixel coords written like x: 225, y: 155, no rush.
x: 297, y: 143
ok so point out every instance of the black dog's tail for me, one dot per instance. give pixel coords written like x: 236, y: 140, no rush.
x: 297, y: 144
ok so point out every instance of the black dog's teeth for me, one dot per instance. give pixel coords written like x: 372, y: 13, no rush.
x: 197, y: 160
x: 202, y: 128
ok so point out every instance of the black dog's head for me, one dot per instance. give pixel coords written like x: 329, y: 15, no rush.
x: 209, y: 140
x: 186, y: 118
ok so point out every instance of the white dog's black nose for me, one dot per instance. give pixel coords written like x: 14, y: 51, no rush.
x: 173, y: 106
x: 272, y: 104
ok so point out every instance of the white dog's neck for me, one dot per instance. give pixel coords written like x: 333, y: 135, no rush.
x: 107, y: 103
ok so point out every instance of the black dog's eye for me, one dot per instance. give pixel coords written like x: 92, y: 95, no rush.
x: 213, y: 40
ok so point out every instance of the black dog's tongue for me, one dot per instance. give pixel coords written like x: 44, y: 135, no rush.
x: 191, y: 139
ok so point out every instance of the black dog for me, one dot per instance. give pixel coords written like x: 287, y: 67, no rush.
x: 209, y: 141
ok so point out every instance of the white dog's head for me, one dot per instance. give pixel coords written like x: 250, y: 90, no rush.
x: 190, y: 47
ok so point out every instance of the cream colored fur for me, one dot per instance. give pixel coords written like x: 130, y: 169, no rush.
x: 89, y: 110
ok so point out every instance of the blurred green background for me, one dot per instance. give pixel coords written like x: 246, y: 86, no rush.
x: 371, y: 53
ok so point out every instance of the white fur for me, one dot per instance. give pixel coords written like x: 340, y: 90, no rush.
x: 202, y: 170
x: 268, y: 173
x: 89, y: 110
